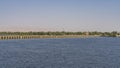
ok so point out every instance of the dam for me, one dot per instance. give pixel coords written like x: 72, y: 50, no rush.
x: 5, y: 37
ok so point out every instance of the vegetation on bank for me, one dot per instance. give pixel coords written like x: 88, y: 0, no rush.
x: 102, y: 34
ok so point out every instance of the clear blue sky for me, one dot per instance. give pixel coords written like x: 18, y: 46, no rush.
x: 74, y: 15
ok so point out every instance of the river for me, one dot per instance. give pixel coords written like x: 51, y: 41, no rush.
x: 60, y: 53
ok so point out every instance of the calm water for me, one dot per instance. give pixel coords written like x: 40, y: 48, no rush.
x: 60, y: 53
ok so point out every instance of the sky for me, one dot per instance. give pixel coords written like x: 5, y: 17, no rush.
x: 59, y: 15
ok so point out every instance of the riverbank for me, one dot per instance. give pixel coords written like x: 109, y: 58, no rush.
x: 44, y: 36
x: 29, y: 35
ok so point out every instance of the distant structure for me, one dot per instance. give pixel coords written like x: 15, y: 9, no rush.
x: 87, y: 33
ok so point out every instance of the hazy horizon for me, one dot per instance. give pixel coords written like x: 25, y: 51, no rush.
x: 59, y: 15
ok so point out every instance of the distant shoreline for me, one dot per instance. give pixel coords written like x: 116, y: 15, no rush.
x: 29, y: 35
x: 42, y: 36
x: 7, y: 37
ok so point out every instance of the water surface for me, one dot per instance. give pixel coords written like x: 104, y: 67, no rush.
x: 60, y: 53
